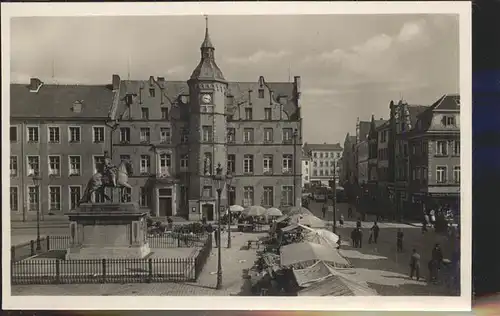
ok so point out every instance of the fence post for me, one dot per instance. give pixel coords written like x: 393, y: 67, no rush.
x: 32, y: 246
x: 103, y: 271
x: 58, y: 271
x: 178, y: 241
x: 12, y: 253
x: 48, y: 242
x: 150, y: 270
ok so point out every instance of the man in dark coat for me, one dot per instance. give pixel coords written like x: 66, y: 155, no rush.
x: 358, y: 223
x: 415, y: 265
x: 353, y: 238
x: 359, y: 237
x: 375, y: 230
x: 399, y: 240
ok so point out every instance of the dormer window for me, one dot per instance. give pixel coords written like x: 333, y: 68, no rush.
x: 152, y: 92
x: 448, y: 120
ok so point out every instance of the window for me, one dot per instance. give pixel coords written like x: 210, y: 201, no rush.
x: 448, y: 120
x: 424, y: 174
x: 456, y: 174
x: 207, y: 133
x: 315, y: 163
x: 98, y: 134
x: 33, y: 198
x: 184, y: 136
x: 425, y: 148
x: 124, y: 135
x: 127, y: 195
x: 13, y: 166
x: 287, y: 163
x: 54, y: 135
x: 287, y: 196
x: 456, y: 148
x: 74, y: 134
x: 287, y: 136
x: 165, y: 163
x: 165, y: 135
x: 13, y: 134
x: 248, y: 135
x: 441, y: 148
x: 98, y: 163
x: 33, y: 134
x: 268, y: 198
x: 143, y: 197
x: 145, y: 164
x: 268, y: 114
x: 75, y: 193
x: 268, y: 164
x: 248, y: 164
x: 321, y: 155
x: 231, y: 163
x: 268, y: 135
x: 145, y: 135
x: 248, y: 196
x: 321, y: 173
x: 332, y: 163
x: 315, y: 155
x: 261, y: 93
x: 207, y: 191
x: 33, y: 165
x: 152, y: 92
x: 231, y: 135
x: 164, y: 113
x: 441, y: 174
x: 248, y: 114
x: 74, y: 165
x: 54, y: 198
x: 321, y: 163
x: 54, y: 165
x: 338, y: 155
x: 306, y: 163
x: 14, y: 199
x: 315, y: 172
x: 184, y: 161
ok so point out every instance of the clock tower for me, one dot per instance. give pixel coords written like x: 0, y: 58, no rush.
x: 207, y: 133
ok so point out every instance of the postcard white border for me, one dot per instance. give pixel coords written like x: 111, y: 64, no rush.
x: 462, y: 303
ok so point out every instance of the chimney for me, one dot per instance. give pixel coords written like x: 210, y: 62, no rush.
x: 115, y: 82
x: 35, y: 84
x: 296, y: 83
x: 151, y: 80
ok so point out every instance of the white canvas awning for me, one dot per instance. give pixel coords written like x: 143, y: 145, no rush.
x: 307, y: 252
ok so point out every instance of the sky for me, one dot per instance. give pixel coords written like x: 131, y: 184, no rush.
x: 350, y: 65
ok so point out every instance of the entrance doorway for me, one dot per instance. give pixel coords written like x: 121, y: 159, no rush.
x: 165, y: 202
x: 207, y: 211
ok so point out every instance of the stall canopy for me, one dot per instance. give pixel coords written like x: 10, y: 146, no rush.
x: 298, y: 210
x: 236, y: 208
x: 307, y: 220
x: 321, y: 236
x: 255, y: 210
x: 273, y: 212
x: 290, y: 228
x: 305, y: 254
x: 337, y: 285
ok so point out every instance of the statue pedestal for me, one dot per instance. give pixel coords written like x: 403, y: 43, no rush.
x: 107, y: 231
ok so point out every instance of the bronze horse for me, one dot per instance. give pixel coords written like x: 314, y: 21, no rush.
x: 100, y: 181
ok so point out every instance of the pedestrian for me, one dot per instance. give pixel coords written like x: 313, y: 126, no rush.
x: 375, y: 230
x: 349, y: 212
x: 353, y: 238
x: 432, y: 217
x: 399, y: 240
x: 323, y: 209
x: 216, y: 236
x: 415, y: 265
x: 358, y: 223
x: 338, y: 243
x: 437, y: 255
x: 341, y: 221
x: 360, y: 238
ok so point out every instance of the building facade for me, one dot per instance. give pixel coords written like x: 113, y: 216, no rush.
x: 58, y: 133
x: 348, y: 174
x: 325, y: 159
x: 177, y: 134
x: 384, y: 166
x: 306, y: 169
x: 434, y: 145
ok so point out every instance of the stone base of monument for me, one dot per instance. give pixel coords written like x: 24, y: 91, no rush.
x: 107, y: 231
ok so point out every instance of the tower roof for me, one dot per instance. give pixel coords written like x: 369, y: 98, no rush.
x: 207, y: 69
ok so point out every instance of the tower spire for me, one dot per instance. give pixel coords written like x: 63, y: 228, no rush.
x: 207, y: 43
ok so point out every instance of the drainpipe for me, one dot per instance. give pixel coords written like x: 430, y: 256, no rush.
x: 22, y: 169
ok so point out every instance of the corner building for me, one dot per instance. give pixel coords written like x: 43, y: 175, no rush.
x: 177, y: 133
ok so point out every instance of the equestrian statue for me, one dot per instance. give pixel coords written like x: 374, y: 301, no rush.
x: 108, y: 176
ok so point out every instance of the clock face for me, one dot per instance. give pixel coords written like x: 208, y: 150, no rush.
x: 206, y: 98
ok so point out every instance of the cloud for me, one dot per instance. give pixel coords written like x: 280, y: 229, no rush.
x: 176, y: 70
x: 258, y: 57
x: 411, y: 30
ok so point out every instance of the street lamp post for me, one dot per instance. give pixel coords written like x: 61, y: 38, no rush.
x: 295, y: 135
x: 220, y: 182
x: 334, y: 198
x: 229, y: 178
x: 36, y: 182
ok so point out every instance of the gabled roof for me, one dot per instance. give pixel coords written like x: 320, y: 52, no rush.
x: 415, y: 111
x: 425, y: 114
x: 448, y: 102
x: 56, y: 101
x: 323, y: 146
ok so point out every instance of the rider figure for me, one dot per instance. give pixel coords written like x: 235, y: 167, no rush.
x: 109, y: 168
